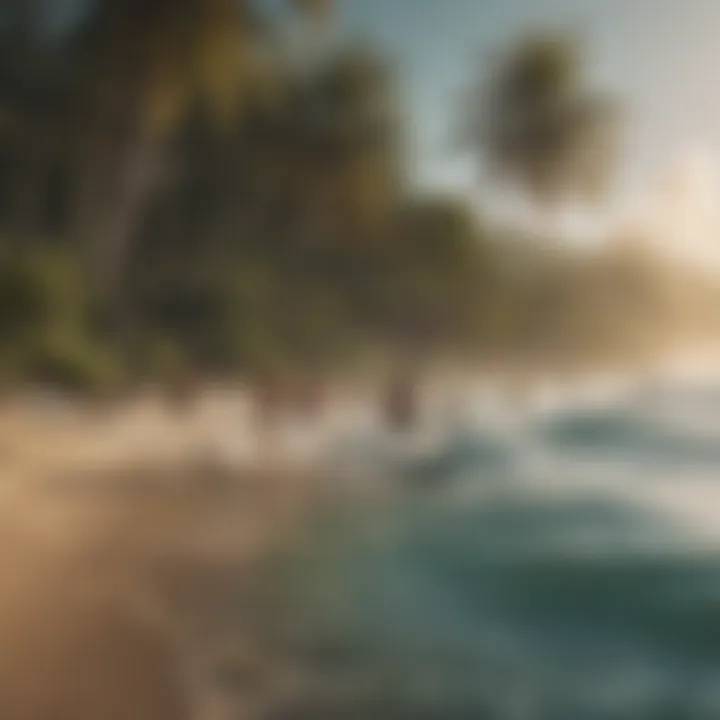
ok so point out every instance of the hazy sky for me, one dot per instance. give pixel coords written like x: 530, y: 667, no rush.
x: 661, y: 56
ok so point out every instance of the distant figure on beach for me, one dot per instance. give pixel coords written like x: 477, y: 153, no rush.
x: 309, y: 397
x: 401, y: 403
x: 268, y: 394
x: 269, y: 401
x: 275, y: 394
x: 183, y: 391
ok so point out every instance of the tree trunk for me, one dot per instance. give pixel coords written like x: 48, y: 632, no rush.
x: 120, y: 181
x: 137, y: 180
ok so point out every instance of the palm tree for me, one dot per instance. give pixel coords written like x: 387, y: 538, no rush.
x: 149, y: 63
x: 347, y: 141
x: 540, y: 127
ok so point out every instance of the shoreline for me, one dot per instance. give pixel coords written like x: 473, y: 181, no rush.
x: 131, y: 524
x: 44, y: 432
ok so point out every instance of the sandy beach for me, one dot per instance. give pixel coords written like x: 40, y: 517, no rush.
x: 123, y: 540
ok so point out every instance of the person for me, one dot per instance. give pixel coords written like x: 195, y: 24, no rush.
x: 310, y: 396
x: 401, y: 405
x: 268, y: 396
x: 184, y: 391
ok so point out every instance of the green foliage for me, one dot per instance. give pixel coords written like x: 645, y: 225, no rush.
x: 75, y: 365
x: 228, y: 214
x: 540, y: 126
x: 45, y: 329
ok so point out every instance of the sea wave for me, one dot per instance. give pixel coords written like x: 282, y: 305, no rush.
x: 567, y: 569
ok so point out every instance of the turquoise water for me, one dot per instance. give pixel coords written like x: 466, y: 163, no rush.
x: 567, y: 571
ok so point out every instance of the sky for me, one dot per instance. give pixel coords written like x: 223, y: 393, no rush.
x: 659, y: 56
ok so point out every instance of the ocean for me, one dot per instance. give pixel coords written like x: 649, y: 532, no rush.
x: 562, y: 567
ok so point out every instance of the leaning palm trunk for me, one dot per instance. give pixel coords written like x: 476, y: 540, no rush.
x: 120, y: 181
x: 137, y: 180
x: 136, y: 193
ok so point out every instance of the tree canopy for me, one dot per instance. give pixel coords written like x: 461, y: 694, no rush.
x: 173, y: 193
x: 541, y: 126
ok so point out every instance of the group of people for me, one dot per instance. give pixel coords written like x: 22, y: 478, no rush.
x: 275, y: 395
x: 307, y: 398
